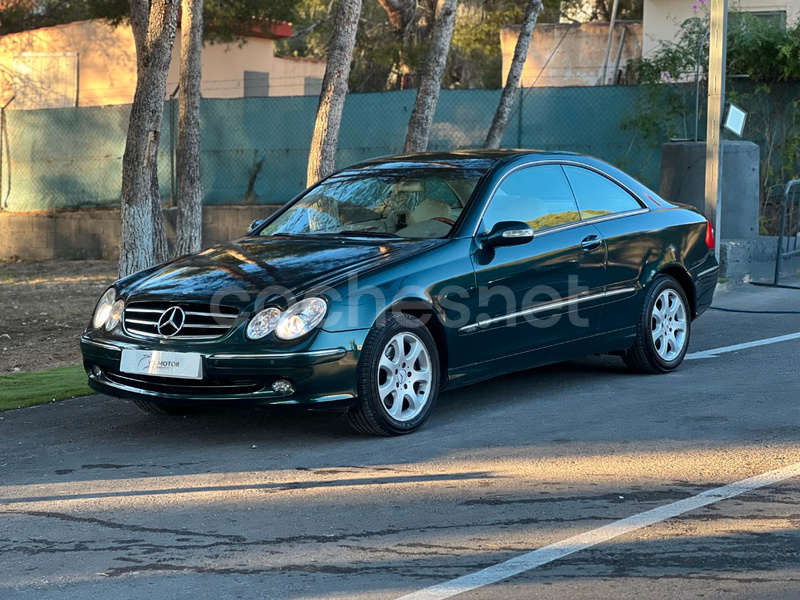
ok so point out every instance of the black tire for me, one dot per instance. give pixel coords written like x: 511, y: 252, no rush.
x: 643, y: 357
x: 155, y: 408
x: 370, y: 416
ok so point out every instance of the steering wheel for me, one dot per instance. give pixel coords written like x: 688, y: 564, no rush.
x: 444, y: 220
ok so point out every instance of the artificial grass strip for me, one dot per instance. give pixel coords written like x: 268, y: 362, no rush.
x: 19, y: 390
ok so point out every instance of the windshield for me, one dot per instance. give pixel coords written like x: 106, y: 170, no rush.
x: 412, y: 203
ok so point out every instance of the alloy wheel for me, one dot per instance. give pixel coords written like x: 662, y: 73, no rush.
x: 404, y: 376
x: 668, y: 325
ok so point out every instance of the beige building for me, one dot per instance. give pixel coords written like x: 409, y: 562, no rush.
x: 91, y: 63
x: 663, y: 18
x: 572, y: 54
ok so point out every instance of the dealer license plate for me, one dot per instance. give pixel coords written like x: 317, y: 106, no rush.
x: 181, y: 365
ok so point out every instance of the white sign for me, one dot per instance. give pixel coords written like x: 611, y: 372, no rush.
x: 735, y: 119
x: 181, y: 365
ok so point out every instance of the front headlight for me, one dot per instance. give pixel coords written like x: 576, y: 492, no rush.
x: 263, y: 323
x: 301, y: 318
x: 115, y: 315
x: 103, y: 309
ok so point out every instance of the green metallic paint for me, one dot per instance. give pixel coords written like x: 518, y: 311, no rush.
x: 434, y: 278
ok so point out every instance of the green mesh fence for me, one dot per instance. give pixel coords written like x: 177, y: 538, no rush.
x: 255, y: 150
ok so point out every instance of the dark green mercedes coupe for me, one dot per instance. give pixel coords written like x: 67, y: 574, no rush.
x: 399, y: 277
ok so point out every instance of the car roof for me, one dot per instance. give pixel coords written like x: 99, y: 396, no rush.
x: 475, y: 158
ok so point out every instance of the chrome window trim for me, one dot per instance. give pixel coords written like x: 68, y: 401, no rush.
x: 555, y: 304
x: 560, y: 162
x: 557, y: 228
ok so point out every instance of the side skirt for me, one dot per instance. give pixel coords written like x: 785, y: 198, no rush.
x: 602, y: 343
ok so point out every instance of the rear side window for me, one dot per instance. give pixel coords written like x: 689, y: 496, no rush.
x: 598, y: 195
x: 540, y: 196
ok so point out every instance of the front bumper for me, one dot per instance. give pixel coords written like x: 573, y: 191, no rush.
x: 323, y: 375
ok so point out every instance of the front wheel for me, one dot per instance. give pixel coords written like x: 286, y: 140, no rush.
x: 663, y: 329
x: 398, y: 377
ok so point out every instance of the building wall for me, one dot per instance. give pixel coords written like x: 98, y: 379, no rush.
x: 575, y: 61
x: 106, y: 59
x: 107, y: 63
x: 225, y: 64
x: 662, y: 18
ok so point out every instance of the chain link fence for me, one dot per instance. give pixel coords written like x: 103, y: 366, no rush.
x: 255, y: 150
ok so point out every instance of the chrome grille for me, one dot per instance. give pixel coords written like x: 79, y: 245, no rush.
x: 202, y: 322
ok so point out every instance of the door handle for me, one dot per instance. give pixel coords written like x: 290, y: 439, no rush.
x: 591, y: 242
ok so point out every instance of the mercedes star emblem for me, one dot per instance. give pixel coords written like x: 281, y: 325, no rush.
x: 171, y: 321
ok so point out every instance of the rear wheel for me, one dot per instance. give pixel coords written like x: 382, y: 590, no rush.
x: 398, y: 378
x: 663, y: 330
x: 155, y: 408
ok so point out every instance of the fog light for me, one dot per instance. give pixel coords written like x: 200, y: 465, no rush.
x: 282, y: 387
x: 96, y: 371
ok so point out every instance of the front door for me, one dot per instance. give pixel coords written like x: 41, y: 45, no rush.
x: 544, y: 292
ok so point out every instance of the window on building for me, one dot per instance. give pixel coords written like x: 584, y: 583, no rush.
x: 775, y: 17
x: 313, y: 86
x: 45, y: 80
x: 256, y: 84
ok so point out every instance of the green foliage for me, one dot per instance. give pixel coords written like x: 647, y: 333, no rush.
x: 24, y: 16
x: 385, y: 58
x: 765, y: 50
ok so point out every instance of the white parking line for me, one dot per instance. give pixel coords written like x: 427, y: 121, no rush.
x: 716, y: 351
x: 553, y: 552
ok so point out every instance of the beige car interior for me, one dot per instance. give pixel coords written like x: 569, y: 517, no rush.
x: 430, y: 217
x: 404, y: 210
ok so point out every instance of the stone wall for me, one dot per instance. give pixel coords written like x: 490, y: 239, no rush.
x: 95, y: 233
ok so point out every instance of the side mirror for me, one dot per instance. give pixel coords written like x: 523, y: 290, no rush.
x: 255, y: 224
x: 509, y: 233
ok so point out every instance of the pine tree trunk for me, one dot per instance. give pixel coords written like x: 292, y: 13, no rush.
x: 190, y: 193
x: 419, y: 126
x: 160, y: 244
x: 503, y: 114
x: 322, y: 157
x: 143, y: 243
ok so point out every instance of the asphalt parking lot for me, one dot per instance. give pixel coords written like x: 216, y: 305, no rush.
x: 100, y: 500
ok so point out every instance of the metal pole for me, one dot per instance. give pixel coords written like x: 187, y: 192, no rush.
x: 519, y: 116
x: 779, y: 257
x: 716, y: 102
x: 697, y: 85
x: 3, y: 130
x: 602, y: 80
x: 173, y: 187
x: 619, y: 54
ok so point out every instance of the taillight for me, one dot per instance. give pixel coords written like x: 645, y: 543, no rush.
x: 710, y: 241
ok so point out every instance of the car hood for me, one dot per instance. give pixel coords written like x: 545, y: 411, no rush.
x: 252, y: 265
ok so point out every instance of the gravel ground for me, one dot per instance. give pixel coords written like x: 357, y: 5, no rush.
x: 44, y: 308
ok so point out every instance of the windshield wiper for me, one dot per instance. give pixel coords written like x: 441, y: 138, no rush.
x: 356, y: 233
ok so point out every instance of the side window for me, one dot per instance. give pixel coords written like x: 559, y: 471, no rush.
x: 598, y: 195
x: 539, y: 196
